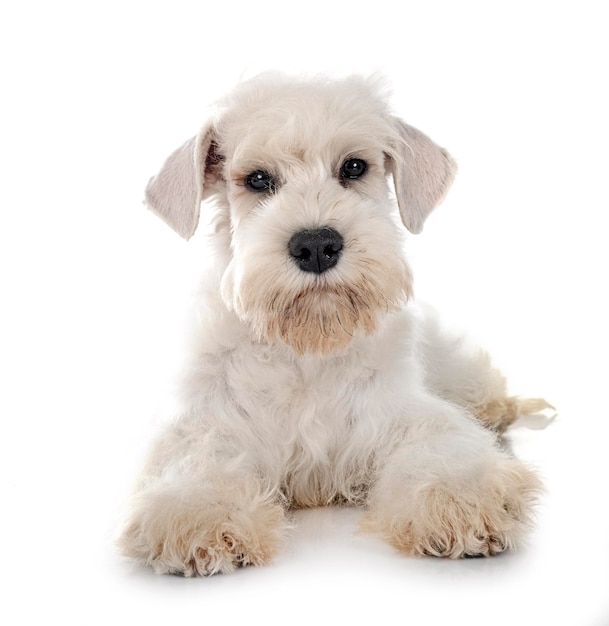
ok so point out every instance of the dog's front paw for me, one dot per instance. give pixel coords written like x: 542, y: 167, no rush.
x: 460, y: 518
x: 202, y: 539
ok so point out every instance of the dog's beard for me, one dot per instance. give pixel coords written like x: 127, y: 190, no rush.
x: 324, y: 316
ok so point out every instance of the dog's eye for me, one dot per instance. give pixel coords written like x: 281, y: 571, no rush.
x: 353, y: 168
x: 259, y: 181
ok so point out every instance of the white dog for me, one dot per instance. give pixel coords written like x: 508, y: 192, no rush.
x: 312, y: 379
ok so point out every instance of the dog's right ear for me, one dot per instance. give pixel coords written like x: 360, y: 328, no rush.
x: 176, y: 192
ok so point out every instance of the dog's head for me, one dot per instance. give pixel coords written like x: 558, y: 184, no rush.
x: 299, y: 170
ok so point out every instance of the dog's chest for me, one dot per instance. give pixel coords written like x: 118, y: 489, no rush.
x: 315, y: 406
x: 318, y: 423
x: 321, y: 422
x: 302, y: 391
x: 326, y: 397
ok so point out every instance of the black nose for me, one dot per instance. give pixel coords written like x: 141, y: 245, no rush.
x: 316, y: 250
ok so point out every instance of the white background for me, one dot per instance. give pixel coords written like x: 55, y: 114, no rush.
x: 95, y: 95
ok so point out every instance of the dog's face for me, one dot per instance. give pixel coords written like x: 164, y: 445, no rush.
x: 300, y: 168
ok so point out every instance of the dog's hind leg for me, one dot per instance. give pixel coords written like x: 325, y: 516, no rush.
x: 466, y: 377
x: 500, y: 413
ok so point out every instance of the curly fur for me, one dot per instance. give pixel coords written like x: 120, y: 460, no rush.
x: 307, y: 389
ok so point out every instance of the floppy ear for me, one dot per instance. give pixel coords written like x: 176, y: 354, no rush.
x: 422, y: 174
x: 175, y: 193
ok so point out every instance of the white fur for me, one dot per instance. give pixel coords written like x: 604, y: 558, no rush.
x: 308, y: 389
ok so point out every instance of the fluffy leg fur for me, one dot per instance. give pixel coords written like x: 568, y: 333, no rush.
x: 466, y: 377
x: 452, y: 493
x: 197, y: 515
x: 501, y: 412
x: 208, y: 530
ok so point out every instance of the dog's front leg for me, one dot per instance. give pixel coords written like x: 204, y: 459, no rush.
x: 202, y: 508
x: 448, y: 490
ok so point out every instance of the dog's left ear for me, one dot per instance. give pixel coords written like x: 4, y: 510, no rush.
x: 176, y: 192
x: 422, y: 174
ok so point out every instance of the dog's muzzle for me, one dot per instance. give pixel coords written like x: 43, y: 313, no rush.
x: 316, y: 250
